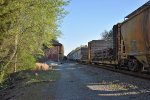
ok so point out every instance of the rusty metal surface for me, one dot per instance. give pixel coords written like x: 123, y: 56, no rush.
x: 136, y: 34
x: 116, y: 40
x: 84, y: 52
x: 95, y: 45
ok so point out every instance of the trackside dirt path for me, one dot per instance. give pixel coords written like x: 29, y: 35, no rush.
x: 82, y: 82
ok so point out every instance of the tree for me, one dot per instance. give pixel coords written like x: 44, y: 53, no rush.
x: 107, y: 34
x: 24, y: 26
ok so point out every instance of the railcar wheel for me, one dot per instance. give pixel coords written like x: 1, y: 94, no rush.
x: 120, y: 64
x: 116, y: 66
x: 133, y: 65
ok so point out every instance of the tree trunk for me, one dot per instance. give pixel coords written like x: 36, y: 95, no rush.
x: 15, y: 67
x: 11, y: 57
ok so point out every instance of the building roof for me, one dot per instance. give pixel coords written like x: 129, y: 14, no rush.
x: 139, y: 9
x: 56, y: 43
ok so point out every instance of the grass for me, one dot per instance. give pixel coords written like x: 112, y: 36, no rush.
x: 42, y: 76
x: 28, y: 77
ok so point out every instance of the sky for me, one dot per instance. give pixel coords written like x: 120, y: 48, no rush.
x: 87, y: 19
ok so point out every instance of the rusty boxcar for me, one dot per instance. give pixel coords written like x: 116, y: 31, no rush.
x: 135, y: 38
x: 96, y: 45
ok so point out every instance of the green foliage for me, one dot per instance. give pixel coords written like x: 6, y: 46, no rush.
x: 25, y: 61
x: 28, y: 77
x: 24, y: 26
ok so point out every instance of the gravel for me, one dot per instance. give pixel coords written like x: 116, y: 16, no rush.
x: 83, y: 82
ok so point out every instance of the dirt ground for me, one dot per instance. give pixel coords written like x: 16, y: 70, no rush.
x: 73, y: 81
x: 33, y: 87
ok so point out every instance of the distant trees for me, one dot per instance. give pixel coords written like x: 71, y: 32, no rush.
x: 80, y: 47
x: 107, y: 34
x: 24, y: 26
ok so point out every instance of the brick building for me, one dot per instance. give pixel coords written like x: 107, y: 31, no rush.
x: 54, y: 53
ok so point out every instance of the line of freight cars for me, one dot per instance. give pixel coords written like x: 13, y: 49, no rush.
x: 79, y: 54
x: 130, y: 44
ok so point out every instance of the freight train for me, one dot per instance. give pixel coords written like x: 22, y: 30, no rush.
x: 80, y: 54
x: 130, y: 44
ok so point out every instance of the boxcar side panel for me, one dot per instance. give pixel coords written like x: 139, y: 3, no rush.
x: 136, y: 36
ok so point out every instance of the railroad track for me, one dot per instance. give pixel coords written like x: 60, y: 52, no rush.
x: 112, y: 68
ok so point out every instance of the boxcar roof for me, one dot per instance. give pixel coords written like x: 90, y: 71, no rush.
x: 139, y: 9
x: 96, y: 41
